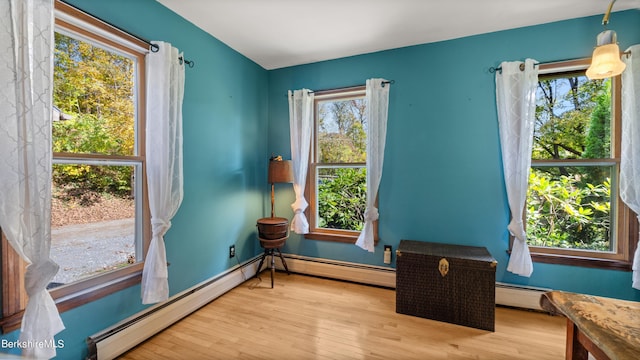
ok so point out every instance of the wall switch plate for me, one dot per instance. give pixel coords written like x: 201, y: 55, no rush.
x: 232, y: 251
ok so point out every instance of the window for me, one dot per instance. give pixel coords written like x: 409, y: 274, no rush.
x: 100, y: 222
x: 573, y: 211
x: 337, y: 173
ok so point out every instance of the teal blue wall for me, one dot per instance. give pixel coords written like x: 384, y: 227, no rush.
x: 443, y: 178
x: 442, y: 181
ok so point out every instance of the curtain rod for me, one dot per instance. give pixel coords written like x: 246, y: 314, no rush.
x: 153, y: 47
x: 499, y: 68
x: 350, y: 87
x: 521, y: 67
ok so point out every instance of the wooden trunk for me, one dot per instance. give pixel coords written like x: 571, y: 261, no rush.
x: 450, y: 283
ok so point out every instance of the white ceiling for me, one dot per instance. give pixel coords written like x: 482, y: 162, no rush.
x: 281, y: 33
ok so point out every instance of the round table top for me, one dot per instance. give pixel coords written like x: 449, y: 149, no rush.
x: 273, y: 221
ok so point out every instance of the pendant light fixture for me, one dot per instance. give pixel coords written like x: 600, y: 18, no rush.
x: 605, y: 61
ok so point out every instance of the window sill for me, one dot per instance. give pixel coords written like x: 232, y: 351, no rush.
x: 588, y: 262
x: 336, y: 237
x: 96, y: 292
x: 73, y: 300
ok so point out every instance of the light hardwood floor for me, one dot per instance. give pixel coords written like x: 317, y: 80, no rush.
x: 306, y: 317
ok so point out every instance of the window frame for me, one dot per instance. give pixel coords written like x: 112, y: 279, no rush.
x: 70, y: 20
x: 315, y: 232
x: 626, y: 227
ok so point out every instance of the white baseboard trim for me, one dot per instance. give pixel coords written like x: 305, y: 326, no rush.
x: 518, y: 296
x: 117, y: 339
x: 341, y: 270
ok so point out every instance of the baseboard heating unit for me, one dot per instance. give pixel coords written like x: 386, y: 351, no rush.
x: 519, y: 296
x: 114, y: 341
x: 341, y: 270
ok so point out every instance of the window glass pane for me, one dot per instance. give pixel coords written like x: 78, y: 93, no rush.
x: 573, y: 118
x: 93, y: 98
x: 570, y: 207
x: 341, y: 197
x: 92, y: 220
x: 342, y: 131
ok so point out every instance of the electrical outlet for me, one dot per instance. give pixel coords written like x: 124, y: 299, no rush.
x: 387, y: 254
x: 232, y: 251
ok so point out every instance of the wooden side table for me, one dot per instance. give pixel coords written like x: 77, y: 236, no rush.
x: 272, y: 233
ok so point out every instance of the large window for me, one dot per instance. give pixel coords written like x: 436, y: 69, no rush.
x: 573, y: 211
x: 100, y: 221
x: 337, y: 173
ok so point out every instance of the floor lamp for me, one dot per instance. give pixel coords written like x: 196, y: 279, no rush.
x: 274, y: 231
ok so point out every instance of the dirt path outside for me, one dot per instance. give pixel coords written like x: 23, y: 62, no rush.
x: 83, y: 250
x: 88, y: 239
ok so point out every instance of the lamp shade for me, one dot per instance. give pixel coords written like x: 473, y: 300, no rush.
x: 606, y: 57
x: 280, y: 171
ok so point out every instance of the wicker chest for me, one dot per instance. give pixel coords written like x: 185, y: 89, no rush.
x: 450, y: 283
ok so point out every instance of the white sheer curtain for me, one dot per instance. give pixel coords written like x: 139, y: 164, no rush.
x: 516, y: 102
x: 300, y: 125
x: 165, y: 91
x: 377, y: 99
x: 26, y: 38
x: 630, y: 157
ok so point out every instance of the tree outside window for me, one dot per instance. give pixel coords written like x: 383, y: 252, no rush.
x: 98, y: 166
x: 569, y: 206
x: 94, y: 88
x: 337, y: 179
x: 573, y: 209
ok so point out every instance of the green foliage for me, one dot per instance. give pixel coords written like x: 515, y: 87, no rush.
x: 76, y: 181
x: 89, y: 80
x: 95, y: 87
x: 563, y: 115
x: 85, y: 134
x: 570, y: 206
x: 598, y: 141
x: 342, y: 135
x: 342, y: 198
x: 336, y: 148
x: 566, y: 214
x: 342, y: 139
